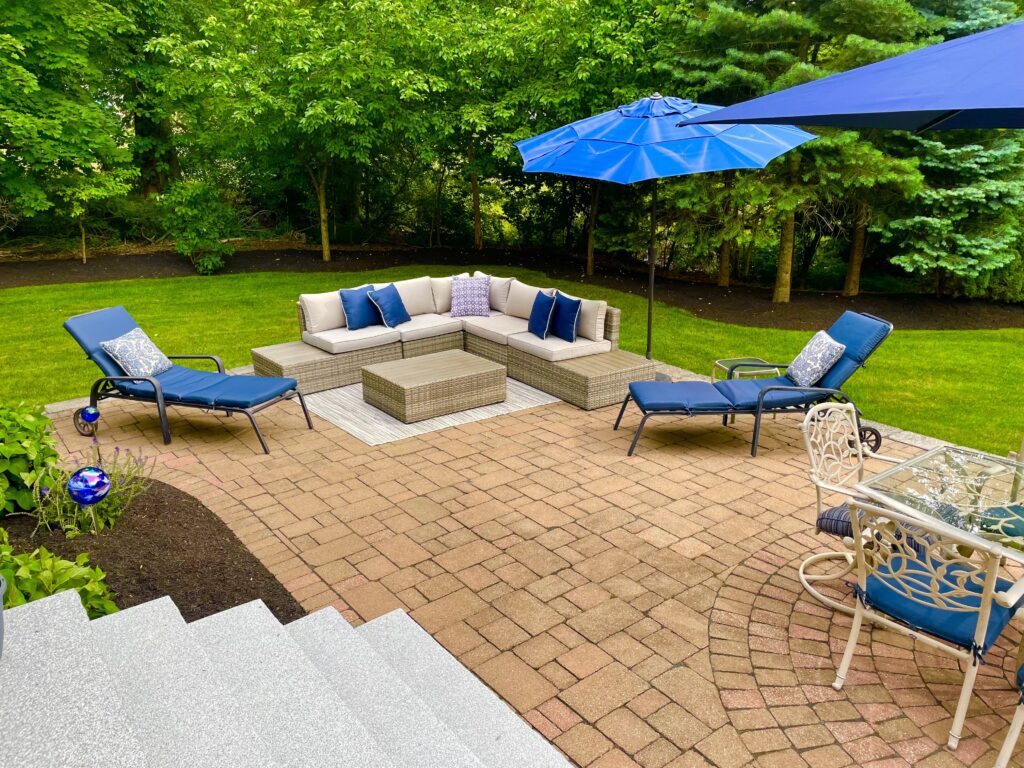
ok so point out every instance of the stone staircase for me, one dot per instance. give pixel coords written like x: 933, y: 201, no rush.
x: 144, y: 689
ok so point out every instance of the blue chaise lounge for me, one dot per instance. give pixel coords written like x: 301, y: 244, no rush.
x: 178, y: 385
x: 860, y: 333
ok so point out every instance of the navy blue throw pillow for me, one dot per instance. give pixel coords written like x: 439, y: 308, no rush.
x: 540, y: 315
x: 360, y: 312
x: 390, y: 305
x: 565, y: 317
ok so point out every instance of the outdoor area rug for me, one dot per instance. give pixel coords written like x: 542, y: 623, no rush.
x: 344, y: 407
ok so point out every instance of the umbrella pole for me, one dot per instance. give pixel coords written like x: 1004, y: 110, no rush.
x: 650, y: 266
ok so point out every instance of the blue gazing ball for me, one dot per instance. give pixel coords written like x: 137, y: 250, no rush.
x: 90, y: 414
x: 88, y: 486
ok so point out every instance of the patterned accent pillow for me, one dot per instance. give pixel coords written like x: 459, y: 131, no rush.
x: 815, y: 359
x: 471, y: 296
x: 137, y: 354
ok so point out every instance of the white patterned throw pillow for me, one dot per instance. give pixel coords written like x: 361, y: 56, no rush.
x: 815, y: 359
x: 137, y: 354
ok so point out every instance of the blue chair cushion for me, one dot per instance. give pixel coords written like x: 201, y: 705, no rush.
x: 678, y: 396
x: 861, y: 336
x: 390, y: 305
x: 177, y: 382
x: 360, y: 311
x: 565, y: 317
x: 743, y: 393
x: 540, y: 315
x: 836, y: 521
x: 93, y: 328
x: 1020, y: 679
x: 883, y: 594
x: 240, y: 391
x: 1008, y: 521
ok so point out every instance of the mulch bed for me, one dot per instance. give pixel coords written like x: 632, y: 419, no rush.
x: 168, y: 543
x: 748, y: 305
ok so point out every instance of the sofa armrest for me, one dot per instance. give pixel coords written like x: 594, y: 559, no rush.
x: 612, y: 321
x: 302, y: 318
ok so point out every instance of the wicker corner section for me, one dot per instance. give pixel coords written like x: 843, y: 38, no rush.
x: 316, y: 370
x: 612, y: 321
x: 487, y: 349
x: 433, y: 344
x: 587, y: 382
x: 433, y: 385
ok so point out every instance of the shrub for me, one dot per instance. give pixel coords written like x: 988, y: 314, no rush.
x: 38, y: 574
x: 129, y: 476
x: 200, y: 221
x: 28, y: 455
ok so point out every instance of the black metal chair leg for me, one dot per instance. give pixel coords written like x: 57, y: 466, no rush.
x: 622, y: 410
x: 725, y: 419
x: 305, y: 412
x: 256, y: 429
x: 161, y: 409
x: 636, y: 437
x: 757, y: 433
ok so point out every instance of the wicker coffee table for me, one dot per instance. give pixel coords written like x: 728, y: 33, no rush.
x: 418, y: 388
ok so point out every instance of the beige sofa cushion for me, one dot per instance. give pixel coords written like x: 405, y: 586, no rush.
x: 428, y: 326
x: 555, y: 349
x: 499, y: 290
x: 417, y: 296
x: 323, y: 311
x: 592, y: 314
x: 441, y: 287
x: 346, y: 340
x: 496, y: 328
x: 521, y: 297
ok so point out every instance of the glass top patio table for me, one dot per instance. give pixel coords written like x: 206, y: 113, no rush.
x: 975, y: 493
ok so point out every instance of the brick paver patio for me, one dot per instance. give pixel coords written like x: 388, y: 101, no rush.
x: 641, y: 611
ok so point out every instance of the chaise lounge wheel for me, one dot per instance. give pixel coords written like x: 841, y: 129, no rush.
x: 86, y: 421
x: 871, y: 438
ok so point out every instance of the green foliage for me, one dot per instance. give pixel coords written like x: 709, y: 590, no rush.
x: 40, y: 573
x: 28, y: 455
x: 200, y: 220
x: 129, y: 476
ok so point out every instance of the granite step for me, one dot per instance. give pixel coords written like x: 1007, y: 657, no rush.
x: 286, y: 699
x: 57, y: 704
x: 478, y: 716
x: 401, y: 724
x: 184, y: 714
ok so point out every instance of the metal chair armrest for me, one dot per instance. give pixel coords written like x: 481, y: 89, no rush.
x: 1012, y: 596
x: 733, y: 368
x: 809, y: 390
x: 214, y: 358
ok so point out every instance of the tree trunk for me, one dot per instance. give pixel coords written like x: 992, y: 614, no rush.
x: 861, y: 213
x: 435, y: 219
x: 81, y: 229
x: 319, y: 178
x: 724, y: 263
x: 807, y: 255
x: 784, y: 272
x: 595, y: 192
x: 474, y: 184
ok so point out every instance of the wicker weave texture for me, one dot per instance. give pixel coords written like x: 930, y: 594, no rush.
x: 612, y: 321
x: 487, y: 349
x: 433, y: 385
x: 316, y: 370
x: 433, y: 344
x: 587, y: 382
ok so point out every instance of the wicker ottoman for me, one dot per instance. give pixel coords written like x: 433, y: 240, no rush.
x: 316, y: 370
x: 423, y: 387
x: 587, y: 382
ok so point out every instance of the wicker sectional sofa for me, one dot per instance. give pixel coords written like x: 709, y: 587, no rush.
x: 332, y: 355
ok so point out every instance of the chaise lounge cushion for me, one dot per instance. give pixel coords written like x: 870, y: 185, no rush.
x: 323, y: 311
x: 678, y: 396
x: 496, y: 328
x: 341, y: 340
x: 743, y: 393
x: 176, y: 382
x: 428, y: 326
x: 554, y: 349
x: 240, y: 391
x: 861, y: 335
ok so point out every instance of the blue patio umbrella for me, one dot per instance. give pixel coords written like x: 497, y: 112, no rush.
x: 642, y: 141
x: 971, y: 82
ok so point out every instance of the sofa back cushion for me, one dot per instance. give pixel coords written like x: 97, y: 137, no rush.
x: 499, y: 290
x: 592, y: 316
x: 441, y: 287
x: 521, y: 297
x: 323, y: 311
x: 360, y: 312
x: 417, y: 295
x: 388, y: 302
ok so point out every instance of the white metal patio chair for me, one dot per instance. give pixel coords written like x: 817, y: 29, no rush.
x: 837, y: 460
x: 924, y: 580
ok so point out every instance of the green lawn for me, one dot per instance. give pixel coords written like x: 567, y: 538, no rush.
x: 963, y: 386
